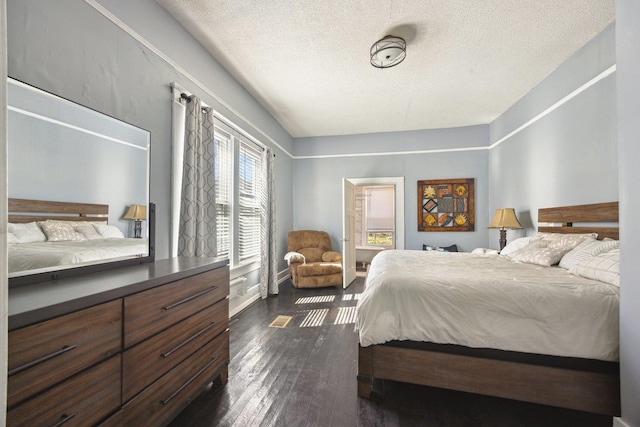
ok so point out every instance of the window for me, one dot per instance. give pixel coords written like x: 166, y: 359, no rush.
x: 224, y: 180
x: 238, y: 183
x: 248, y: 202
x: 376, y: 215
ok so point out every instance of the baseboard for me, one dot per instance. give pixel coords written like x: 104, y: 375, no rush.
x: 283, y: 275
x: 253, y: 298
x: 617, y: 422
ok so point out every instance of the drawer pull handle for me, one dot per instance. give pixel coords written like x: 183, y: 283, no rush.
x: 64, y: 419
x: 43, y: 359
x: 189, y: 381
x: 188, y: 340
x: 192, y: 297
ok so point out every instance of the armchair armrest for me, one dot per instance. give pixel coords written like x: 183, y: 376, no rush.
x: 294, y: 257
x: 331, y: 257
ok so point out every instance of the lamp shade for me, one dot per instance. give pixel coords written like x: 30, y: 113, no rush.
x: 505, y: 219
x: 136, y: 213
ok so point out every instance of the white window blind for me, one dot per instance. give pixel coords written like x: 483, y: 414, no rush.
x: 224, y: 180
x: 249, y: 168
x: 238, y: 168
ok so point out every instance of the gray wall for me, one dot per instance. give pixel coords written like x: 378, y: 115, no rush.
x: 70, y: 49
x: 568, y: 156
x: 628, y: 57
x: 317, y: 201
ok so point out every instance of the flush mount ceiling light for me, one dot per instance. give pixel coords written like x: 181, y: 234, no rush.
x: 388, y: 52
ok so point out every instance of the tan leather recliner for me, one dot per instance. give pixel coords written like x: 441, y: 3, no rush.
x: 312, y: 263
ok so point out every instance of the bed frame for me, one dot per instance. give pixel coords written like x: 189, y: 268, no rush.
x: 579, y: 384
x: 24, y: 210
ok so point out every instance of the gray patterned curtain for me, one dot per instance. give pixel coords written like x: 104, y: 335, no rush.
x: 197, y: 235
x: 268, y: 255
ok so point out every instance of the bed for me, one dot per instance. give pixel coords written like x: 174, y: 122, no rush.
x: 565, y: 355
x: 35, y: 256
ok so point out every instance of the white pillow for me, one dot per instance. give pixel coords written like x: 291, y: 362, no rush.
x: 515, y: 245
x: 60, y: 232
x: 109, y: 231
x: 485, y: 251
x: 604, y: 267
x: 540, y: 252
x: 12, y: 239
x: 88, y: 231
x: 587, y: 249
x: 74, y: 223
x: 553, y: 236
x: 27, y: 233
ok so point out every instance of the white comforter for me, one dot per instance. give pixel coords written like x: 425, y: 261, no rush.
x: 33, y: 256
x: 487, y: 302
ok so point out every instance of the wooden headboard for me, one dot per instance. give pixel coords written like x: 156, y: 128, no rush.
x: 590, y: 215
x: 23, y: 210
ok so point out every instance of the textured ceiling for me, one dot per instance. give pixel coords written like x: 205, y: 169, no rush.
x: 307, y: 61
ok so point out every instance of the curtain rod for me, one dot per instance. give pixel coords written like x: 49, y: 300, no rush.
x: 188, y: 97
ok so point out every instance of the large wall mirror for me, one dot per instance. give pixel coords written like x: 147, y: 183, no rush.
x: 78, y: 185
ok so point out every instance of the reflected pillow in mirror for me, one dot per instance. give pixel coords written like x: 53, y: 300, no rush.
x: 88, y: 232
x: 60, y: 232
x: 109, y: 231
x: 27, y: 233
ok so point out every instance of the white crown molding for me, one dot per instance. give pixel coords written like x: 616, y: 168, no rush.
x: 138, y: 37
x: 558, y: 104
x: 102, y: 10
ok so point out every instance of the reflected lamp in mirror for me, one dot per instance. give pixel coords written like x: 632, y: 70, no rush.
x: 505, y: 219
x: 136, y: 213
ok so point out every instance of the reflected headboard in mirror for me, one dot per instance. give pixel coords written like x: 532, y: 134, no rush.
x: 71, y: 167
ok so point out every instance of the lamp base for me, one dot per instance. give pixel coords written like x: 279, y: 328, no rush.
x: 503, y: 238
x: 137, y: 229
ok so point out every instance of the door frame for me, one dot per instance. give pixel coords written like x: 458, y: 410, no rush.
x: 398, y: 182
x: 348, y: 233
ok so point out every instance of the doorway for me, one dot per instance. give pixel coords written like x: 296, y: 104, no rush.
x: 350, y: 240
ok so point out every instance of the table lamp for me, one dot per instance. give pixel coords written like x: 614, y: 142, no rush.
x: 505, y: 219
x: 136, y: 213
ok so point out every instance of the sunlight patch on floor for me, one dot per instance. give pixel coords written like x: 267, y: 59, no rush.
x: 314, y: 318
x: 345, y: 315
x: 316, y: 299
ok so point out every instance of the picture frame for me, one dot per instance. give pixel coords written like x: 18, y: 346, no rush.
x: 446, y: 205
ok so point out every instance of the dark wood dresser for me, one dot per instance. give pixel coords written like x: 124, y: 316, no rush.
x: 131, y: 346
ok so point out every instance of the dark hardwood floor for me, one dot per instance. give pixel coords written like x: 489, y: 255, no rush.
x: 305, y: 375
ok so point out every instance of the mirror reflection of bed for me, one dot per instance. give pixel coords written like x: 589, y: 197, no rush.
x: 68, y: 163
x: 45, y: 235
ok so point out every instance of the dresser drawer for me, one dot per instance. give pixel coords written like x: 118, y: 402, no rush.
x: 115, y: 420
x: 152, y: 358
x: 82, y: 400
x: 149, y: 312
x: 46, y: 353
x: 174, y: 390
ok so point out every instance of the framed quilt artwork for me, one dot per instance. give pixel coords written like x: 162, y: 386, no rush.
x: 446, y: 205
